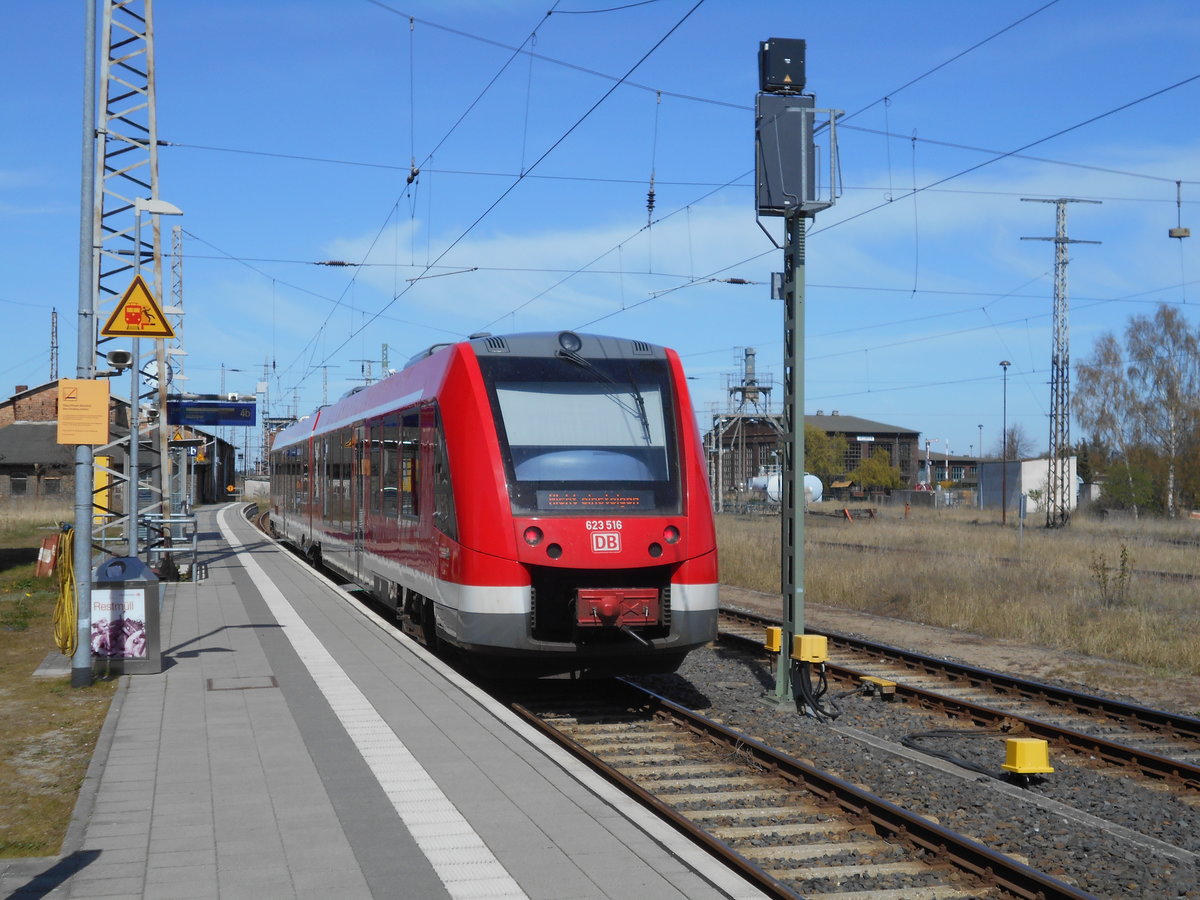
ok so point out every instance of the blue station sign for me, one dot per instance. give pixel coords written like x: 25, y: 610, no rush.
x: 211, y: 412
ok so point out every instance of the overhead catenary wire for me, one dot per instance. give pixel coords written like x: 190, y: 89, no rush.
x: 545, y: 154
x: 940, y: 181
x: 622, y: 268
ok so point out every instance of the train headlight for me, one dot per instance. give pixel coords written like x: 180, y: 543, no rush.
x: 570, y: 341
x: 656, y: 550
x: 554, y: 551
x: 671, y: 534
x: 533, y: 535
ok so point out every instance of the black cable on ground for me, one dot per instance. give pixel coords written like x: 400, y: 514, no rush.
x: 812, y: 695
x: 914, y: 742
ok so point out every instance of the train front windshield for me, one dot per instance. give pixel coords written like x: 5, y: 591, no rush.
x: 585, y: 435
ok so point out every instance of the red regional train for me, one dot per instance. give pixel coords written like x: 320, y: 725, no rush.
x: 536, y: 501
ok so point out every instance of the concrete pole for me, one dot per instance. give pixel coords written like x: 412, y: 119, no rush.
x: 81, y: 662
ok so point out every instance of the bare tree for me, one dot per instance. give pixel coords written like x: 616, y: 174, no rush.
x: 1015, y: 443
x: 1104, y: 402
x: 1163, y: 376
x: 1145, y: 395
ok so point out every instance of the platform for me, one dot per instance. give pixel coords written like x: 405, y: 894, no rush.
x: 294, y: 745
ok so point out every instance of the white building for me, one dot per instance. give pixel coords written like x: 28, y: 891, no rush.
x: 1030, y: 477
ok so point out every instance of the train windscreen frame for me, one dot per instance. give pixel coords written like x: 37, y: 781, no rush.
x: 580, y: 435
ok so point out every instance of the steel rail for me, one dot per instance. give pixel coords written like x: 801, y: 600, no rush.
x: 1158, y: 721
x: 993, y: 867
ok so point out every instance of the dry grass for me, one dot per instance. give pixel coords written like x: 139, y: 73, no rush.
x: 1100, y: 588
x: 20, y: 521
x: 47, y: 729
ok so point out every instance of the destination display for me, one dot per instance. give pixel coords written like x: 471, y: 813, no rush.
x: 582, y: 499
x: 211, y: 412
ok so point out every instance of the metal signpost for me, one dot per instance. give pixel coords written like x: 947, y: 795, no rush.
x: 787, y: 184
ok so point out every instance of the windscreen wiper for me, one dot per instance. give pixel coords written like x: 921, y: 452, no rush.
x: 639, y: 402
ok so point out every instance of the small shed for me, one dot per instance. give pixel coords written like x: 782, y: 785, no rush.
x: 33, y: 466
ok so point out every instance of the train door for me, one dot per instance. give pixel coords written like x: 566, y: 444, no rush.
x: 362, y: 474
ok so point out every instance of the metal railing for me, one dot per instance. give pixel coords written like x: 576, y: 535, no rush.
x: 170, y: 535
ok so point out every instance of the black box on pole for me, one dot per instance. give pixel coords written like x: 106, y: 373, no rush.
x: 781, y: 65
x: 785, y: 171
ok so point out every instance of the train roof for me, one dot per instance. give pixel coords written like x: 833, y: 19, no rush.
x: 421, y: 377
x: 549, y: 343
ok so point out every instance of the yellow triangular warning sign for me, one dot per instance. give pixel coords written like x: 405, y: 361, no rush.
x: 138, y: 315
x: 787, y: 79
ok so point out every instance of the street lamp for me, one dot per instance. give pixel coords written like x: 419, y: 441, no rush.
x: 1004, y: 364
x: 158, y: 208
x: 978, y: 468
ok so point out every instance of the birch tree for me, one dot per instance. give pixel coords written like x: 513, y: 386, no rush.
x: 1104, y: 403
x: 1144, y: 395
x: 1164, y: 379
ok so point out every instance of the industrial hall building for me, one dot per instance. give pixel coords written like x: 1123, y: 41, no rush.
x: 36, y: 469
x: 748, y: 443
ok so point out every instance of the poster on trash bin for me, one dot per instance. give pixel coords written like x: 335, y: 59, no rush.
x: 119, y: 623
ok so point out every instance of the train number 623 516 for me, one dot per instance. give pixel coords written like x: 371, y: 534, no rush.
x: 603, y: 524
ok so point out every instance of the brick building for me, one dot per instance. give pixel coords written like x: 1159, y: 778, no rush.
x: 742, y: 446
x: 35, y: 467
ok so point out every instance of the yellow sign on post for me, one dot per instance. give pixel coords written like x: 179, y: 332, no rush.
x: 138, y: 315
x: 82, y: 411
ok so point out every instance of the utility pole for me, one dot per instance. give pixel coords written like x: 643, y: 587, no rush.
x: 365, y: 368
x: 169, y: 369
x: 787, y: 185
x: 324, y: 384
x: 85, y: 364
x: 126, y: 170
x: 1058, y: 486
x: 54, y: 344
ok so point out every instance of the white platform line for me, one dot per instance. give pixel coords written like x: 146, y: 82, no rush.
x: 470, y: 870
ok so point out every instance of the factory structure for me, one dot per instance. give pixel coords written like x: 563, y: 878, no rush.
x: 745, y: 444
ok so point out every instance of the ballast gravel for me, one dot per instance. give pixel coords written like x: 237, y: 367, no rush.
x: 1109, y: 833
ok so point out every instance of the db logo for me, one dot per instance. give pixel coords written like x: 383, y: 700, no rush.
x: 606, y: 542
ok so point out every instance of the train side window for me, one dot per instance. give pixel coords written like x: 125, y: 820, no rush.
x: 410, y: 465
x: 374, y: 455
x: 391, y: 466
x: 321, y: 475
x: 339, y: 478
x: 444, y: 518
x: 302, y: 488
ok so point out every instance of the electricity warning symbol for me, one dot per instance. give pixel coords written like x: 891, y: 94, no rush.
x: 138, y: 315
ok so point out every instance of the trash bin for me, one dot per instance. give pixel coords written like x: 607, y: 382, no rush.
x: 126, y: 597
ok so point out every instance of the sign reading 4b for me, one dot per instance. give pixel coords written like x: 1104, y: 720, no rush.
x: 138, y: 315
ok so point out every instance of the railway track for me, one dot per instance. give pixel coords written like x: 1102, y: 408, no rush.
x: 1006, y: 560
x: 793, y: 829
x: 1156, y: 744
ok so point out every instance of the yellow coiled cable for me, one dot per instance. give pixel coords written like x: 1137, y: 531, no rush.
x: 66, y: 612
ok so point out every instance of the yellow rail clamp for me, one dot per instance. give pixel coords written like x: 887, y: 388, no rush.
x: 774, y: 641
x: 1027, y: 756
x: 880, y: 686
x: 810, y: 648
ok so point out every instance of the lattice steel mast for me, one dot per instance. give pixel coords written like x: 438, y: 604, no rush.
x: 126, y: 171
x: 1058, y: 486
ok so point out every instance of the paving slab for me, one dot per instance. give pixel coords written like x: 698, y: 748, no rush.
x: 294, y: 745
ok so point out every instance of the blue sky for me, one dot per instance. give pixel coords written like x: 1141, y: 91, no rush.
x: 291, y: 126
